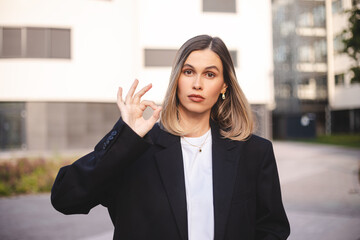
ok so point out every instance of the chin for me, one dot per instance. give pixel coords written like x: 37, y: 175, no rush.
x: 197, y: 110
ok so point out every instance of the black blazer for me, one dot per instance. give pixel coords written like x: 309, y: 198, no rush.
x: 141, y: 182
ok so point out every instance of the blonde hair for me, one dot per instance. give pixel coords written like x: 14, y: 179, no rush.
x: 233, y: 114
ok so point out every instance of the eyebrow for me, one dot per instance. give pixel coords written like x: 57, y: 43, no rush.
x: 207, y: 68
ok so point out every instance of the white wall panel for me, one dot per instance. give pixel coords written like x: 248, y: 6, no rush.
x: 108, y: 39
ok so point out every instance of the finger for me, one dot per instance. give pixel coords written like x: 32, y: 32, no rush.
x: 131, y: 91
x: 141, y: 93
x: 156, y: 114
x: 146, y: 103
x: 119, y: 95
x: 119, y: 101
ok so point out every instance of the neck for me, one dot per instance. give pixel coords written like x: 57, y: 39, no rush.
x: 195, y: 125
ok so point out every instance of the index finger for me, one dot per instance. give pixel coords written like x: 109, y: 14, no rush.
x: 141, y: 93
x: 131, y: 90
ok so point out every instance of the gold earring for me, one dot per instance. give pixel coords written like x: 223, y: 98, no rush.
x: 223, y: 96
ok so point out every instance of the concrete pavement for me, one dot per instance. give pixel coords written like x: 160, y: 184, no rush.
x: 320, y: 186
x: 321, y: 191
x: 33, y: 218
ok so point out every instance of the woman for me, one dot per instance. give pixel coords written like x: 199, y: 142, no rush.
x: 198, y: 174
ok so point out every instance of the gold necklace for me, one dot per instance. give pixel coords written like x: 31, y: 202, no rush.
x: 199, y: 147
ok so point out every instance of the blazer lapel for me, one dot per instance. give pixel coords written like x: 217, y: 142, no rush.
x: 170, y: 165
x: 224, y: 173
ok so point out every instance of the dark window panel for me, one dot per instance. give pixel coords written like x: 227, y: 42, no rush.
x: 159, y: 57
x: 233, y: 55
x: 60, y: 43
x: 12, y: 125
x: 36, y: 43
x: 227, y: 6
x: 11, y: 42
x: 1, y: 41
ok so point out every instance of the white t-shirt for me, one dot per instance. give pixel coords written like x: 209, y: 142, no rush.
x: 199, y: 187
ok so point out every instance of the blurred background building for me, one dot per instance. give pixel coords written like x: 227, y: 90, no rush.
x: 61, y: 62
x: 300, y: 69
x: 313, y: 91
x: 344, y: 88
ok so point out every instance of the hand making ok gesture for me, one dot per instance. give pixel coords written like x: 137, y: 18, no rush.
x: 132, y: 109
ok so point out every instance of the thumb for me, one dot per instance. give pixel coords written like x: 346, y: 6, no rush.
x: 156, y: 114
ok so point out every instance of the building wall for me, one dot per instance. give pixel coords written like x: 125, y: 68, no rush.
x: 108, y: 48
x: 252, y: 42
x: 300, y: 67
x: 342, y: 93
x: 60, y: 125
x: 344, y: 102
x: 101, y: 51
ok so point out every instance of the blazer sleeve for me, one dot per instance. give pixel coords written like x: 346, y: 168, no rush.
x: 271, y: 219
x: 85, y: 183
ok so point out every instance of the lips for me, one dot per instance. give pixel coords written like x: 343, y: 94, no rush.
x: 196, y: 98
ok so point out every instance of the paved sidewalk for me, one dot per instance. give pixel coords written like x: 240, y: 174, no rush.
x: 33, y: 218
x: 320, y: 186
x: 321, y: 190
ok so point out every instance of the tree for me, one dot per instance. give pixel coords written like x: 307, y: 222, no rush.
x: 352, y: 42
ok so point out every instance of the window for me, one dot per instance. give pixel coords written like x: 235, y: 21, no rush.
x: 165, y: 57
x: 306, y: 19
x: 159, y: 57
x: 313, y: 18
x: 281, y: 54
x: 283, y: 90
x: 233, y: 55
x: 286, y: 28
x: 60, y: 43
x: 306, y: 53
x: 336, y: 6
x: 312, y: 89
x: 32, y: 42
x: 227, y: 6
x: 340, y: 79
x: 320, y: 50
x: 339, y: 44
x: 319, y: 14
x: 12, y: 125
x: 11, y: 42
x: 36, y: 43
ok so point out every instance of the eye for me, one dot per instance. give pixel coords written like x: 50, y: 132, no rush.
x: 187, y: 72
x: 210, y: 74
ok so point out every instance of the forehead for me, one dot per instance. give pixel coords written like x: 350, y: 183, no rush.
x: 203, y: 59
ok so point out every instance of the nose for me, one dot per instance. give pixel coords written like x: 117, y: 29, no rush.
x: 197, y: 83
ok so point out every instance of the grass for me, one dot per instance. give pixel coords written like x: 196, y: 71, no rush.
x: 25, y: 176
x: 347, y: 140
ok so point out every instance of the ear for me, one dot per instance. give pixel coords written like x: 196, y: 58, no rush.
x: 224, y: 87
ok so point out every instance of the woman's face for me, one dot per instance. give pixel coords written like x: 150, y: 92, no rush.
x: 200, y: 83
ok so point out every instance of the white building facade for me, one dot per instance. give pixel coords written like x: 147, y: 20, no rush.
x: 344, y: 96
x: 61, y: 62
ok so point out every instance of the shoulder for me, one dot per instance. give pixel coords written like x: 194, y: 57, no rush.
x: 160, y: 136
x: 257, y: 140
x: 255, y: 145
x: 252, y: 140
